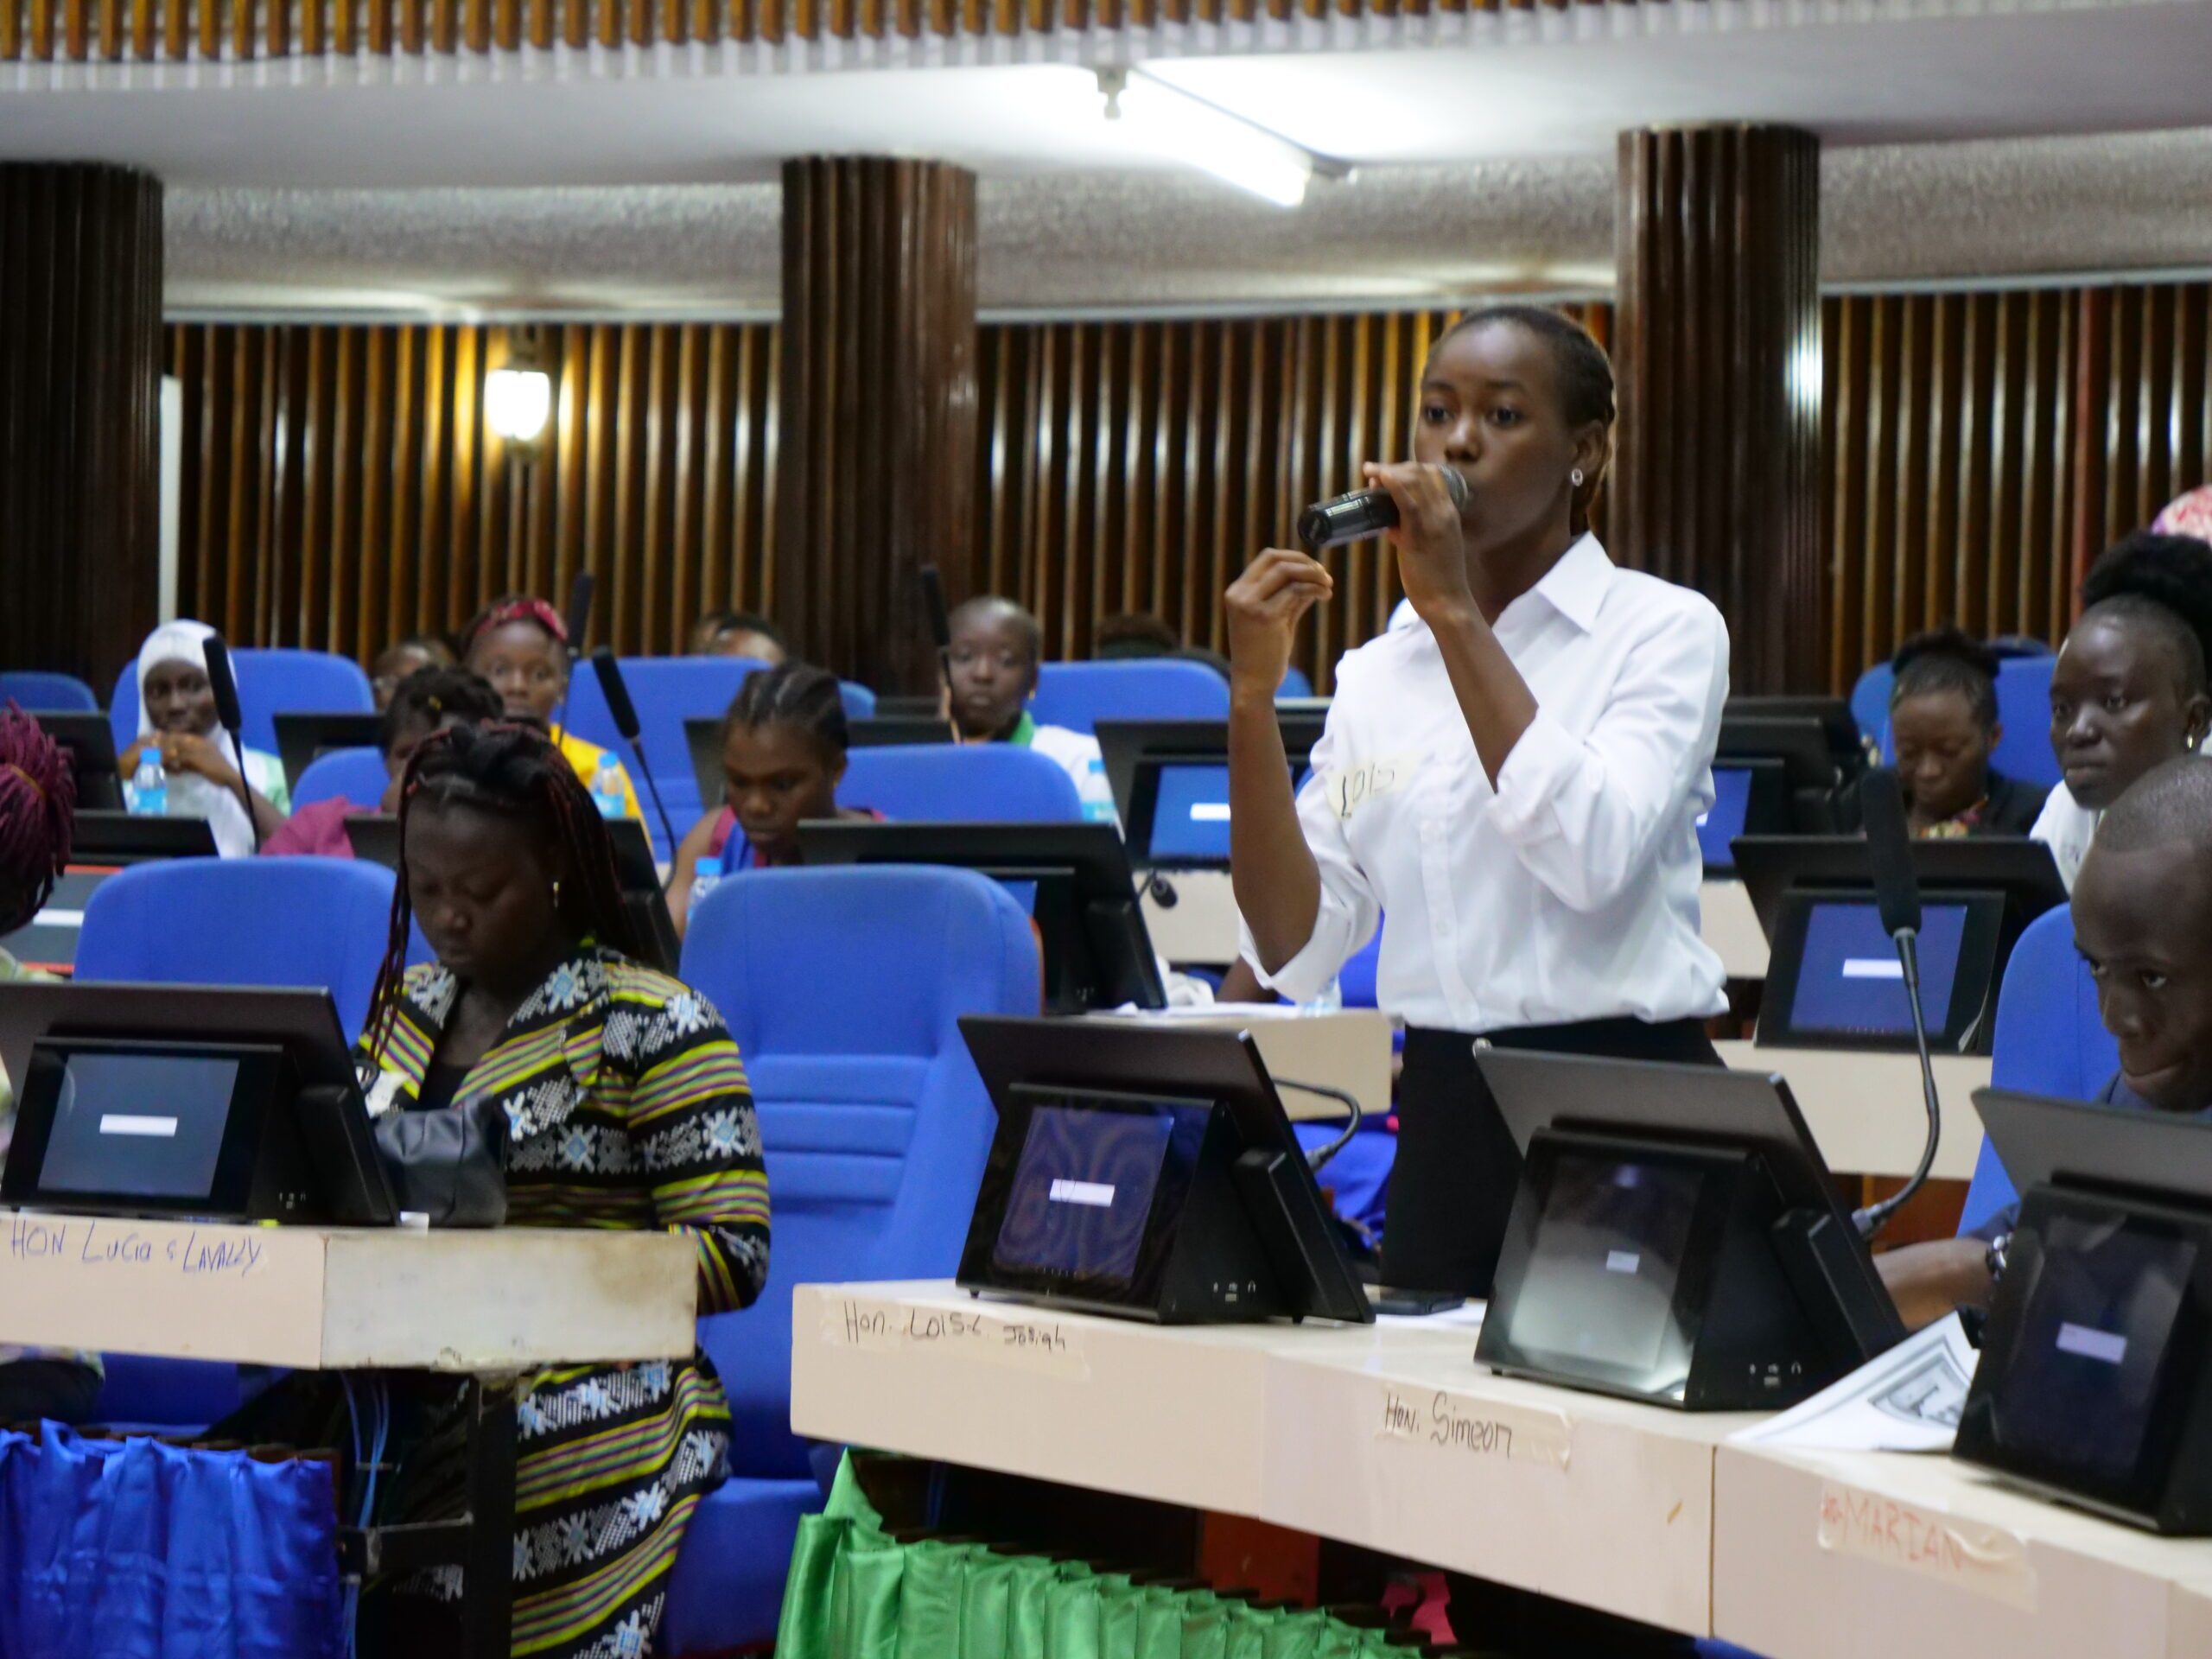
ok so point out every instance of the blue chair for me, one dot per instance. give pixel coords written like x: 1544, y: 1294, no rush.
x: 1295, y: 684
x: 666, y: 691
x: 876, y: 1129
x: 858, y: 700
x: 1870, y: 702
x: 34, y: 690
x: 1079, y: 695
x: 272, y: 681
x: 949, y: 783
x: 2049, y: 1040
x: 211, y: 921
x: 2024, y: 706
x: 207, y: 921
x: 359, y: 775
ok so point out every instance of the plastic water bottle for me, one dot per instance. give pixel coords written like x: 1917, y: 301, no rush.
x: 1329, y: 1002
x: 149, y: 786
x: 606, y: 788
x: 706, y: 876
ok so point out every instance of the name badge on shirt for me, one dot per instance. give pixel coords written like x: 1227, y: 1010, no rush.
x: 1352, y: 787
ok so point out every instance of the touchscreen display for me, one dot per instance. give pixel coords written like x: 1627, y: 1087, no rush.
x: 2099, y: 1321
x: 1607, y: 1252
x: 1082, y: 1192
x: 1190, y: 815
x: 139, y: 1125
x: 1850, y: 982
x: 1724, y: 820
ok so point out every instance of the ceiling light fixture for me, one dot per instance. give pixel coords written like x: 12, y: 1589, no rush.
x: 519, y: 396
x: 1234, y: 149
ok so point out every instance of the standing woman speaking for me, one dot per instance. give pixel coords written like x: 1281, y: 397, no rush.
x: 1509, y: 785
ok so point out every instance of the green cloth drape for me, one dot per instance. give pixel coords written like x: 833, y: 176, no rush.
x: 855, y: 1592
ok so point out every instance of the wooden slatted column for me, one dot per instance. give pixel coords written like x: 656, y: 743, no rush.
x: 877, y: 416
x: 80, y: 356
x: 1717, y: 349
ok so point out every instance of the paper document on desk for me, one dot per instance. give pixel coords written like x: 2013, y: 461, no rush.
x: 1908, y: 1400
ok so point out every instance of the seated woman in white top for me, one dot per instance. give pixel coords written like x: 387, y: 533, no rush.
x: 203, y: 774
x: 2128, y: 692
x: 1514, y: 779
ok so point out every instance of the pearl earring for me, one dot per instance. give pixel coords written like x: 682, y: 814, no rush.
x: 1575, y: 478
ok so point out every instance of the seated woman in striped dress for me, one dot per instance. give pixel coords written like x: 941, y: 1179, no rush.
x: 628, y: 1108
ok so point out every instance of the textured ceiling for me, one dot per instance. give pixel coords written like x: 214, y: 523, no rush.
x: 1890, y: 213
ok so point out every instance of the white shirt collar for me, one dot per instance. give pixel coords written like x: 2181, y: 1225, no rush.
x: 1574, y: 587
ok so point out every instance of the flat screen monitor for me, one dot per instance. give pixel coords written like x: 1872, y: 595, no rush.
x: 1837, y: 723
x: 1772, y: 867
x: 1147, y: 1173
x: 301, y: 737
x: 227, y: 1101
x: 2094, y: 1383
x: 1171, y: 784
x: 1749, y: 797
x: 1098, y: 954
x: 375, y: 836
x: 47, y: 942
x: 1676, y: 1237
x: 90, y: 740
x: 1836, y: 980
x: 113, y: 838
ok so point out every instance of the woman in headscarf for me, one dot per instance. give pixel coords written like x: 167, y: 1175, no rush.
x: 202, y: 768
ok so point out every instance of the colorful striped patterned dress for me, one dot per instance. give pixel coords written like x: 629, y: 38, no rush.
x: 629, y: 1108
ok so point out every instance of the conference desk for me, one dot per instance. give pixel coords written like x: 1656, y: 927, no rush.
x: 1200, y: 926
x: 1390, y: 1437
x: 1866, y: 1109
x: 484, y: 1304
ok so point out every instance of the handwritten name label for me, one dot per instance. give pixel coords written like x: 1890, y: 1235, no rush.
x: 1458, y: 1425
x: 1982, y: 1560
x: 190, y: 1254
x: 1027, y: 1341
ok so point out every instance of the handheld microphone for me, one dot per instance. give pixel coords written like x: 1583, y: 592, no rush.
x: 228, y: 715
x: 625, y: 715
x: 1896, y: 896
x: 1363, y: 513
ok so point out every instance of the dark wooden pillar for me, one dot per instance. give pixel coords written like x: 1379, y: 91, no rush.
x: 877, y: 417
x: 81, y: 368
x: 1717, y: 352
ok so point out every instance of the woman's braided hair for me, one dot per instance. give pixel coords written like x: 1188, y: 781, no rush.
x: 38, y: 812
x: 513, y: 771
x: 796, y: 693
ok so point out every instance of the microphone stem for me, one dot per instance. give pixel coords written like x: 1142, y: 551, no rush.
x: 1872, y: 1219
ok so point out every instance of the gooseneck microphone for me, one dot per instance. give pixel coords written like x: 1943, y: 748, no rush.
x: 1363, y: 513
x: 1896, y: 896
x: 624, y: 715
x: 577, y: 619
x: 228, y: 715
x: 940, y: 627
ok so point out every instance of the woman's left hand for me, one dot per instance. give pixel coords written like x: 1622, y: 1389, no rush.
x: 190, y: 752
x: 1432, y: 553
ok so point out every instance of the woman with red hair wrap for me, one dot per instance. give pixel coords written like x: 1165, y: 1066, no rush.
x: 38, y: 810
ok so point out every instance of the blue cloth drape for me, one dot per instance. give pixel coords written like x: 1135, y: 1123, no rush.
x: 133, y: 1549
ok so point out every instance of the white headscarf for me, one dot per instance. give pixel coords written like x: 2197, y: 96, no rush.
x: 192, y: 795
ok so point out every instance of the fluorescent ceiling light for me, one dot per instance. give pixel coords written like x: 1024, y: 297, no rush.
x: 1202, y: 135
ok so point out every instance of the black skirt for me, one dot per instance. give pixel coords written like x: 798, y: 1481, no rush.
x: 1452, y: 1183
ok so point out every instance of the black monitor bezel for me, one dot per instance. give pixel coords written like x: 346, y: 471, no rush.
x: 90, y: 739
x: 1088, y: 857
x: 119, y: 838
x: 1966, y: 1026
x: 2024, y: 871
x: 303, y: 734
x: 1132, y: 1059
x: 1766, y: 803
x: 1134, y: 752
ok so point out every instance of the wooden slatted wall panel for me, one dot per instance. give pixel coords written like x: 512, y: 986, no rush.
x: 1138, y: 466
x: 1981, y: 449
x: 80, y: 31
x: 342, y: 488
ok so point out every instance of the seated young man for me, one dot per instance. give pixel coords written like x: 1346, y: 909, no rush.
x: 2143, y: 919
